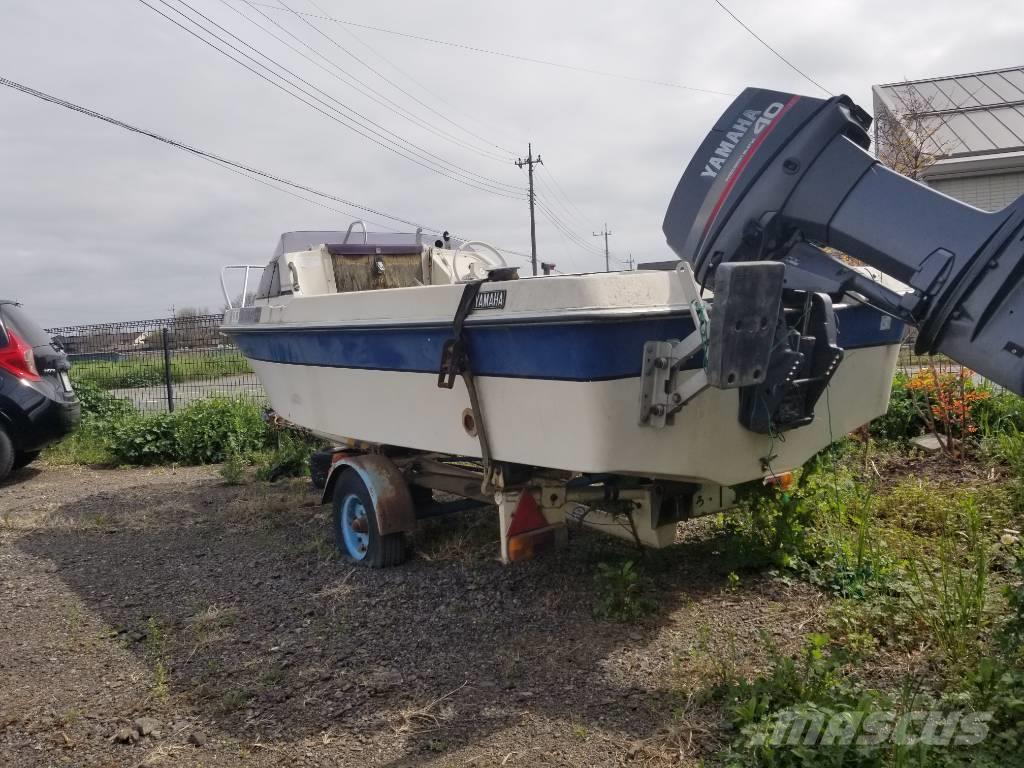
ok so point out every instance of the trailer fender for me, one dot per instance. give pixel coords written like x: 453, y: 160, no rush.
x: 389, y: 492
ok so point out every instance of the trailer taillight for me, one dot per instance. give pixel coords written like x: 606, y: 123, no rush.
x: 18, y: 358
x: 783, y: 480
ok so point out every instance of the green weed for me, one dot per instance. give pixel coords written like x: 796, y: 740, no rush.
x: 289, y: 456
x: 622, y: 592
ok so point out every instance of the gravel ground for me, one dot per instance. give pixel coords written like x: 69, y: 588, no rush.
x: 217, y: 621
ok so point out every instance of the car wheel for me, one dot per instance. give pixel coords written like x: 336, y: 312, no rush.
x: 24, y: 458
x: 6, y: 455
x: 355, y: 527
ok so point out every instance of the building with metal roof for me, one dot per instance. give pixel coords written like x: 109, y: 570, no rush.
x: 969, y: 127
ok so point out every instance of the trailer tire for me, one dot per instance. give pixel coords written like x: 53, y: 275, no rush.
x: 356, y: 533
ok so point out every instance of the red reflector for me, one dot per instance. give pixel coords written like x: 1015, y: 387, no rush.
x: 18, y: 358
x: 527, y: 516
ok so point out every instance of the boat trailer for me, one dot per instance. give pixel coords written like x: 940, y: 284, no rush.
x: 379, y: 494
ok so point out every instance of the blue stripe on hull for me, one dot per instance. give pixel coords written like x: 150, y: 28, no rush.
x: 569, y: 351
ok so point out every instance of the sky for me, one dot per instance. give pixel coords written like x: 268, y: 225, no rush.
x: 100, y: 225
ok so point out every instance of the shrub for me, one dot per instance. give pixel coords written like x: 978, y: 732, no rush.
x: 902, y: 420
x: 233, y: 470
x: 947, y: 403
x: 206, y: 430
x: 97, y: 403
x: 201, y: 433
x: 142, y: 439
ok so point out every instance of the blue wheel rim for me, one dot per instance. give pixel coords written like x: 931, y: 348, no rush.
x: 354, y: 527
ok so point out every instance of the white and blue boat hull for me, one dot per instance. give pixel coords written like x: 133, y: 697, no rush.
x: 557, y: 367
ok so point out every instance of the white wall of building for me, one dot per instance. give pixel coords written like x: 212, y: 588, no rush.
x: 988, y: 192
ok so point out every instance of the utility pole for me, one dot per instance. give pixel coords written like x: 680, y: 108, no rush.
x: 529, y: 162
x: 631, y: 262
x: 607, y: 265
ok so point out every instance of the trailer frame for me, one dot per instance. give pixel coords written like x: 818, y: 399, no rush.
x: 536, y: 506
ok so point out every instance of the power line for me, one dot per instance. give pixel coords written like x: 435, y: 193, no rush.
x: 399, y: 88
x: 786, y: 61
x: 345, y: 120
x: 419, y: 151
x: 566, y: 233
x: 566, y: 229
x: 503, y: 54
x: 254, y: 174
x: 203, y: 153
x: 564, y: 203
x: 465, y: 114
x: 351, y: 80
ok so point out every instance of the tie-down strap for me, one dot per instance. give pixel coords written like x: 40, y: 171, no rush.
x: 455, y: 362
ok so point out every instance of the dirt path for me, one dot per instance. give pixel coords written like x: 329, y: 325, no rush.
x: 220, y: 616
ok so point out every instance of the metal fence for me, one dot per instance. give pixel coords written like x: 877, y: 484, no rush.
x: 159, y: 365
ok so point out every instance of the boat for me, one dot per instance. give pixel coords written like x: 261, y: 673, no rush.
x: 348, y: 338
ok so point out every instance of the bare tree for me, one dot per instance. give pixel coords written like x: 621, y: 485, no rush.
x: 911, y: 139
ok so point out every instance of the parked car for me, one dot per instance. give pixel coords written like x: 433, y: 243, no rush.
x: 37, y: 403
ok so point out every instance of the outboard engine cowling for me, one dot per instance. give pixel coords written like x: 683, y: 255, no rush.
x: 780, y: 176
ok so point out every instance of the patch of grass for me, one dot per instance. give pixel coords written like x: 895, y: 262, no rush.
x: 273, y: 677
x: 148, y: 370
x: 213, y: 619
x: 713, y: 660
x: 234, y: 699
x: 460, y: 537
x: 579, y: 730
x: 925, y: 507
x: 508, y: 665
x: 87, y: 445
x: 1007, y: 446
x: 155, y: 648
x: 952, y: 599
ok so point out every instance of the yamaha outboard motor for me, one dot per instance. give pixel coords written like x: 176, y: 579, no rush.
x: 779, y: 178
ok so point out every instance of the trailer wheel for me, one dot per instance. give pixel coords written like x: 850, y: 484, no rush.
x: 356, y: 532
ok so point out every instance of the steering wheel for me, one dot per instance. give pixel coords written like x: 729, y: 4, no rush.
x: 474, y: 271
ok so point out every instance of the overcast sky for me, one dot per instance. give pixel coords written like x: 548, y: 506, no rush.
x: 100, y: 225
